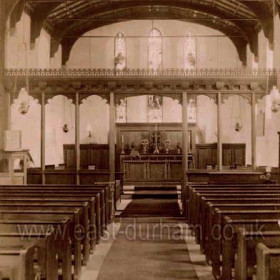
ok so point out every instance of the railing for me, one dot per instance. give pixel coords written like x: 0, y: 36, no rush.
x: 130, y: 73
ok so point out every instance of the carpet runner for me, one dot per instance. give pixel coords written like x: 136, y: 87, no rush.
x: 152, y: 208
x: 150, y: 244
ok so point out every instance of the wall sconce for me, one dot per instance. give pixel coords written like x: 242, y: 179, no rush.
x: 238, y: 126
x: 23, y: 97
x: 65, y: 128
x: 89, y: 130
x: 275, y: 99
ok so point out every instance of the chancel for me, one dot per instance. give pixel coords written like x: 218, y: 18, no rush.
x: 139, y: 139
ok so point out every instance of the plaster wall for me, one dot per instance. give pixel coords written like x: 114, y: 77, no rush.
x: 213, y: 50
x: 20, y: 53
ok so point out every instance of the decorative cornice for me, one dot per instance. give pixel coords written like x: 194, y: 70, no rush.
x: 128, y: 73
x: 132, y: 82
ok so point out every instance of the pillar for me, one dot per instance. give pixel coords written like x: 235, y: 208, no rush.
x: 219, y: 133
x: 112, y: 137
x: 112, y: 151
x: 253, y: 129
x: 185, y: 150
x: 3, y: 102
x: 77, y: 137
x: 43, y: 138
x: 279, y: 159
x: 9, y: 113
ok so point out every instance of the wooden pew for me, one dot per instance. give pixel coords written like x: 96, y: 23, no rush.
x: 99, y: 193
x: 17, y: 262
x: 202, y: 199
x: 85, y: 206
x: 240, y: 203
x: 195, y: 200
x: 104, y: 188
x: 193, y: 190
x: 29, y: 193
x: 46, y: 251
x: 268, y: 262
x: 82, y: 223
x: 268, y: 194
x: 213, y: 196
x: 246, y: 251
x: 207, y: 204
x: 229, y: 240
x: 49, y: 216
x: 61, y: 238
x: 215, y: 247
x: 66, y: 196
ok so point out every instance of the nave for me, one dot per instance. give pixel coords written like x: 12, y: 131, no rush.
x: 151, y: 238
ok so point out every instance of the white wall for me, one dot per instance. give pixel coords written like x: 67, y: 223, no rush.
x: 38, y: 53
x: 98, y: 52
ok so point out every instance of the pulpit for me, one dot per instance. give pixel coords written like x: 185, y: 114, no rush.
x: 13, y: 167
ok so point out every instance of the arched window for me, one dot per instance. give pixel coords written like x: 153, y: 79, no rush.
x: 155, y: 49
x: 120, y: 52
x: 190, y: 52
x: 155, y: 63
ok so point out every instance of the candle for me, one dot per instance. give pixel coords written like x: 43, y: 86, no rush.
x: 122, y: 138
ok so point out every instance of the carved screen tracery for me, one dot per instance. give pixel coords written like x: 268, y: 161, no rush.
x: 190, y: 52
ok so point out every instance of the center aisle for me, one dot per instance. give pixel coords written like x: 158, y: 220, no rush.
x: 150, y: 244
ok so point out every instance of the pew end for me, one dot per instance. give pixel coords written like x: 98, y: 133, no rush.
x: 268, y: 262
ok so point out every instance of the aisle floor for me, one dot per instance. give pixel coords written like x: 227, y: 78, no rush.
x: 172, y: 254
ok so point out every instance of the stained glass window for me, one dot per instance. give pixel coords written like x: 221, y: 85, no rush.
x: 121, y: 111
x: 120, y: 64
x: 120, y: 52
x: 192, y: 111
x: 155, y: 63
x: 155, y: 49
x: 190, y: 52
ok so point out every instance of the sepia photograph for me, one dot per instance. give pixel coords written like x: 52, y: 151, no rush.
x: 139, y: 139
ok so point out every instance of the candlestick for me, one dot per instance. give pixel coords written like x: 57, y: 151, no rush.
x: 122, y: 152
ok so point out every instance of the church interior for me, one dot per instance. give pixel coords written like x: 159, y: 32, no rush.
x: 139, y: 139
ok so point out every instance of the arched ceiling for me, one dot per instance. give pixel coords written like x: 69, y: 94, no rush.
x: 67, y: 20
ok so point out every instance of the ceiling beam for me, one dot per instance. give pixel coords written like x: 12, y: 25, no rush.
x: 38, y: 20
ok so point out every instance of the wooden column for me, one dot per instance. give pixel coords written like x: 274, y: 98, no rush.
x: 279, y: 159
x: 112, y: 151
x: 2, y: 63
x: 2, y: 35
x: 77, y: 137
x: 219, y: 133
x: 43, y: 138
x: 112, y: 133
x: 9, y: 114
x: 253, y: 131
x: 185, y: 149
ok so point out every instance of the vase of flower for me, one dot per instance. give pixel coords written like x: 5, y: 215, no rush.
x: 167, y: 144
x: 144, y: 143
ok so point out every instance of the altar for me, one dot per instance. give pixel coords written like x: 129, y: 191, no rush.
x: 152, y: 168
